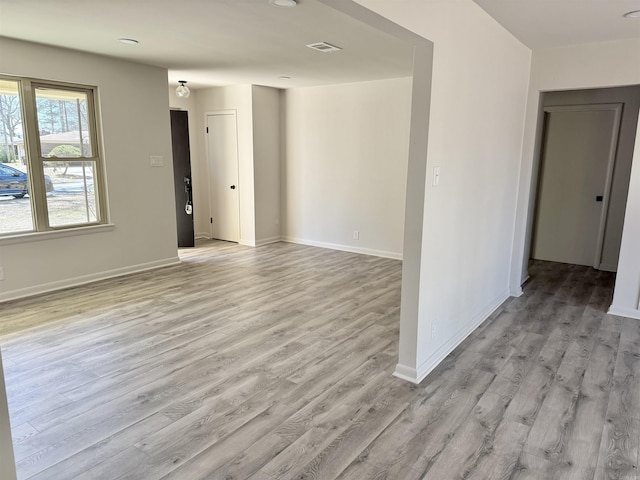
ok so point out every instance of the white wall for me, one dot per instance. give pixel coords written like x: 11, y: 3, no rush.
x: 211, y: 100
x: 135, y: 125
x: 598, y: 65
x: 346, y: 165
x: 7, y: 462
x: 266, y: 162
x: 478, y: 97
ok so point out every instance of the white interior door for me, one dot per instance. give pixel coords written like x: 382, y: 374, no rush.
x: 577, y: 165
x: 222, y: 141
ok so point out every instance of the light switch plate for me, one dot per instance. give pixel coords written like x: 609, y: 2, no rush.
x: 436, y: 176
x: 156, y: 161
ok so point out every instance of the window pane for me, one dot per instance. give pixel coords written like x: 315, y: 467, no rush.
x: 71, y: 195
x: 15, y: 208
x: 63, y: 123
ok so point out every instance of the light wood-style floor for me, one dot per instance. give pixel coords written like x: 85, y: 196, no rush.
x: 276, y: 362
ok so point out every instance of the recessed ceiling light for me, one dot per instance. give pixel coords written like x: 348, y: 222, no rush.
x: 633, y: 14
x: 283, y: 3
x: 284, y: 77
x: 129, y: 41
x: 324, y: 47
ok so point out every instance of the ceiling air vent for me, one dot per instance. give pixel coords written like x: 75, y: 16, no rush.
x: 324, y: 47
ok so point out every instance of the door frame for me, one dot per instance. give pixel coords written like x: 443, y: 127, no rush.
x: 613, y: 149
x: 233, y: 112
x: 180, y: 199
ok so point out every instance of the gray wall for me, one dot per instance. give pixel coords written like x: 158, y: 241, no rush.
x: 135, y: 125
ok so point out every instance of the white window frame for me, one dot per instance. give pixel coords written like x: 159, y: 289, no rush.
x: 35, y: 160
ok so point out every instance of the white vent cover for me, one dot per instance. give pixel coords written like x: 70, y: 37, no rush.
x: 324, y: 47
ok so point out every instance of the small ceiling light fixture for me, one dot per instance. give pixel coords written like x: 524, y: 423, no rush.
x: 633, y: 14
x: 129, y: 41
x: 284, y: 77
x: 283, y: 3
x: 183, y: 91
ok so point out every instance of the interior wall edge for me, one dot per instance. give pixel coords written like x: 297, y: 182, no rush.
x: 431, y: 362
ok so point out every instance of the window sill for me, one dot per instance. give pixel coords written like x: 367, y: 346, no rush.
x: 53, y: 234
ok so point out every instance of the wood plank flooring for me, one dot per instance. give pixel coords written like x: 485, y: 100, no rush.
x: 276, y: 362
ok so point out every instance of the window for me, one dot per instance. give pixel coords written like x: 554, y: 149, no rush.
x: 50, y: 161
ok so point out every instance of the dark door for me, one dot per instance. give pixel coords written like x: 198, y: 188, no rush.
x: 182, y: 177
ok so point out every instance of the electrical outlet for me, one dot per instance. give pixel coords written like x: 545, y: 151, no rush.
x: 1, y: 273
x: 433, y: 331
x: 356, y: 235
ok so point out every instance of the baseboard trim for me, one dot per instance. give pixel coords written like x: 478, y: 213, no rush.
x: 416, y: 375
x: 343, y: 248
x: 243, y: 241
x: 609, y: 267
x: 85, y: 279
x: 515, y: 289
x: 268, y: 240
x: 624, y: 312
x: 518, y: 292
x: 406, y: 373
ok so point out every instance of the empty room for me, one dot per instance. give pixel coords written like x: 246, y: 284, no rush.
x: 355, y: 239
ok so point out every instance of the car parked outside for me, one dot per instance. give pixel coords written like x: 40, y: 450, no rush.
x: 15, y: 183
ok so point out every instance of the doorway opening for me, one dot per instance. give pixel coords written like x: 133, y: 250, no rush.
x: 584, y: 167
x: 182, y: 177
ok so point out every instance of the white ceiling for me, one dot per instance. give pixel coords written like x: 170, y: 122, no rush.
x: 215, y: 42
x: 558, y: 23
x: 222, y: 42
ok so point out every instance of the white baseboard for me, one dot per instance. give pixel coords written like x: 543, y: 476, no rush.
x: 406, y: 373
x: 609, y: 267
x: 516, y: 290
x: 245, y: 242
x: 84, y: 279
x: 344, y: 248
x: 624, y: 312
x: 416, y: 375
x: 268, y: 240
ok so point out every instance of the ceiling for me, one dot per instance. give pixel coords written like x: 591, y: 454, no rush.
x: 558, y: 23
x: 222, y: 42
x: 216, y: 42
